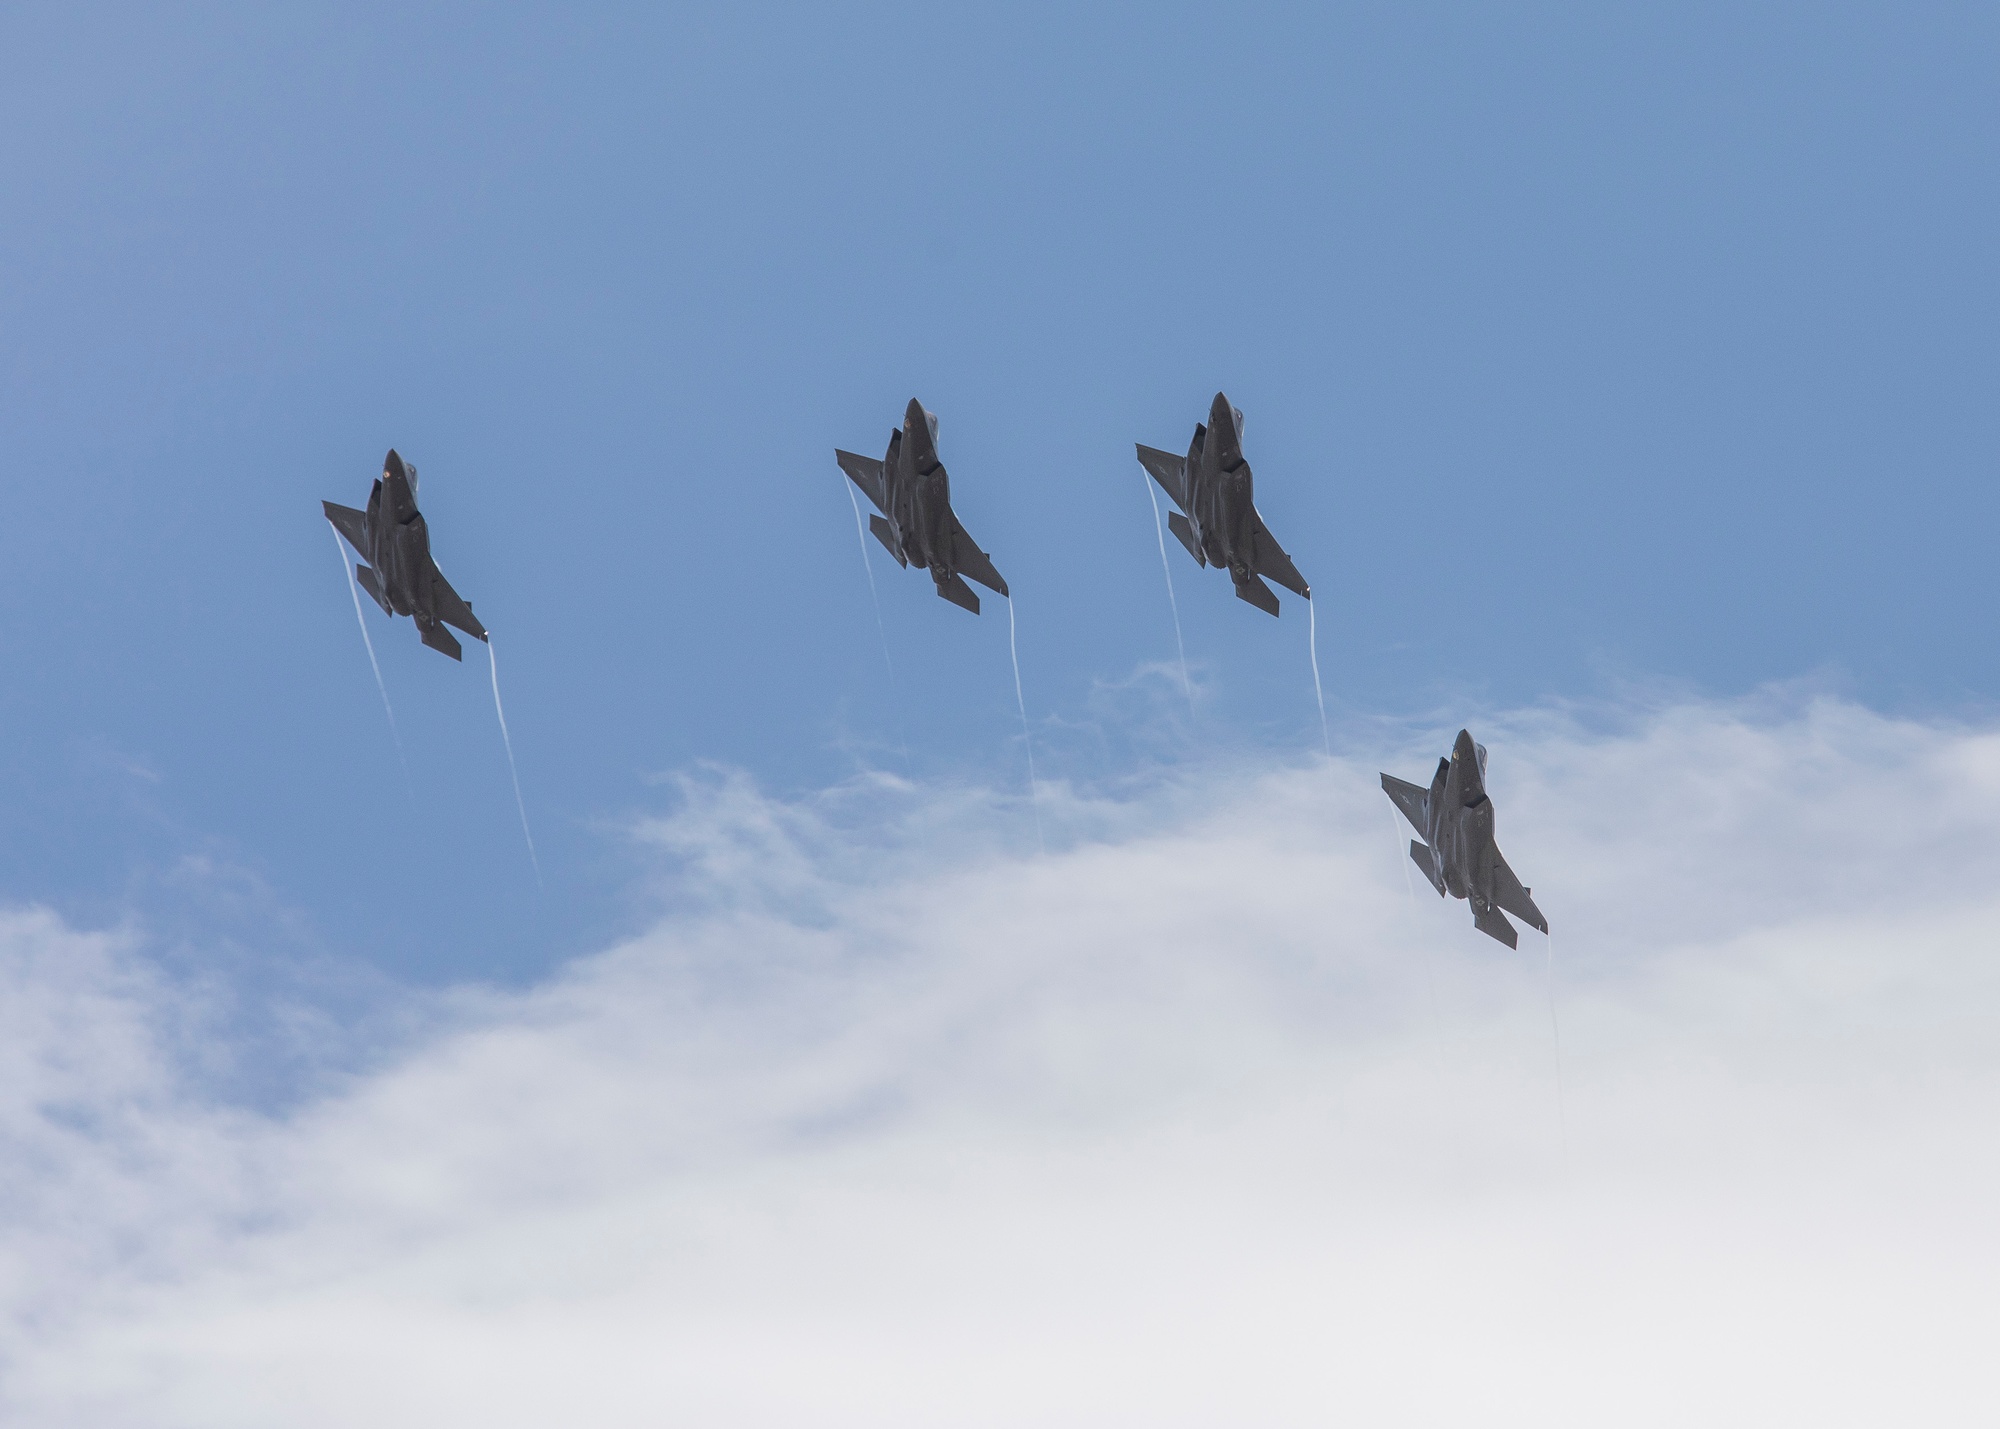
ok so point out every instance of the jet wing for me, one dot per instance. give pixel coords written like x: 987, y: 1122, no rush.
x: 1272, y: 562
x: 1409, y: 798
x: 450, y: 609
x: 1167, y: 469
x: 866, y: 473
x: 1510, y: 895
x: 352, y: 525
x: 972, y: 562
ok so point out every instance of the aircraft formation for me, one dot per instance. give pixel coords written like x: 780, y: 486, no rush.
x: 1216, y: 519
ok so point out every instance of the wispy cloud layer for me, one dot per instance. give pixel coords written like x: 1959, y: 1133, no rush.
x: 1207, y: 1118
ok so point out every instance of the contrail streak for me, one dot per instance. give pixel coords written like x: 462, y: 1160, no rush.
x: 868, y: 565
x: 1562, y: 1111
x: 861, y: 536
x: 493, y: 665
x: 1312, y: 644
x: 1430, y: 982
x: 1027, y: 741
x: 354, y: 590
x: 1159, y: 533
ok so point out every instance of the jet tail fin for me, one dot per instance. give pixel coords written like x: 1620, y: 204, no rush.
x: 1422, y: 856
x: 1258, y: 594
x: 1493, y: 923
x: 886, y: 534
x: 1184, y: 533
x: 440, y: 639
x: 958, y: 592
x: 364, y: 576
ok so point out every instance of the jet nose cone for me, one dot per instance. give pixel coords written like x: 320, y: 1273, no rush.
x: 1471, y: 767
x: 1219, y: 411
x: 392, y: 465
x: 919, y: 419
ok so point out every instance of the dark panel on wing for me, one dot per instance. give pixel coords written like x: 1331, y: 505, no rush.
x: 1509, y: 894
x: 1273, y: 562
x: 971, y: 561
x: 1167, y: 469
x: 450, y: 609
x: 866, y: 473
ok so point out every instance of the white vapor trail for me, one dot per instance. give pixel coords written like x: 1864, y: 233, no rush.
x: 1555, y: 1031
x: 1312, y: 646
x: 1159, y: 534
x: 361, y: 620
x: 1027, y: 741
x: 874, y: 599
x: 861, y: 536
x: 493, y: 665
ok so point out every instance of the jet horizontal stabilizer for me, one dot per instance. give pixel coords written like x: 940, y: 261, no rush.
x: 364, y: 576
x: 1422, y: 857
x: 1259, y: 595
x: 1184, y: 533
x: 1492, y: 922
x: 886, y: 534
x: 958, y: 592
x: 438, y: 638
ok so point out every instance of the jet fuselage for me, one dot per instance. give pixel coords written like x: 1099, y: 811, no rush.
x: 402, y: 544
x: 394, y: 542
x: 919, y: 493
x: 1221, y: 495
x: 1459, y: 854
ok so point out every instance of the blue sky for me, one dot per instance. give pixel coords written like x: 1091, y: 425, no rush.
x: 1620, y: 377
x: 1580, y: 350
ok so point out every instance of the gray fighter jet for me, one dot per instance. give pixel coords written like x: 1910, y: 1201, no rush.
x: 910, y: 488
x: 392, y: 538
x: 1217, y: 520
x: 1458, y: 854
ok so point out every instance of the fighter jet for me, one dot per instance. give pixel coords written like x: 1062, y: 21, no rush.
x: 1221, y: 527
x: 392, y: 538
x: 910, y: 488
x: 1458, y: 854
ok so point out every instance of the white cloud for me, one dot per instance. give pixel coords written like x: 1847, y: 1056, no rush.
x: 1207, y: 1119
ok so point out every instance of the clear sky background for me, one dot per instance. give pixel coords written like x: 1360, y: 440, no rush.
x: 1621, y: 378
x: 1580, y: 348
